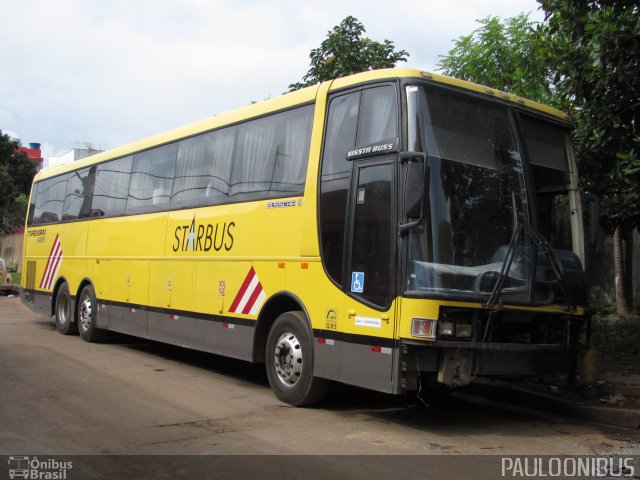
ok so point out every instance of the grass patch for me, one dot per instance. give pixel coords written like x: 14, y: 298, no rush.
x: 617, y: 335
x: 15, y: 278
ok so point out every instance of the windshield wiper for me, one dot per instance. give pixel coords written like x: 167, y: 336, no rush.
x: 540, y: 242
x: 554, y: 263
x: 508, y: 259
x: 506, y: 265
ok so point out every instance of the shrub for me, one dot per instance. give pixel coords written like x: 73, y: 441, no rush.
x: 616, y: 335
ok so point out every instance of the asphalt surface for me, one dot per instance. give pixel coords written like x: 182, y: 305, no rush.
x: 126, y: 397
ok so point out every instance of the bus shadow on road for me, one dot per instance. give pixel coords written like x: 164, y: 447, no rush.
x: 237, y: 369
x: 427, y: 410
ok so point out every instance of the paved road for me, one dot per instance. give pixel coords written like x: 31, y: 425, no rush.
x: 62, y: 396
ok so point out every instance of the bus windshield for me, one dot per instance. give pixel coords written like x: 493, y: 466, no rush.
x: 477, y: 231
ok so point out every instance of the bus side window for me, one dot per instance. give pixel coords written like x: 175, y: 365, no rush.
x: 378, y: 119
x: 271, y: 155
x: 151, y: 179
x: 49, y: 200
x: 203, y: 169
x: 79, y: 188
x: 111, y: 187
x: 32, y: 204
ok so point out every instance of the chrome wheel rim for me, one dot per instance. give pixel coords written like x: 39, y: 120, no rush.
x: 85, y: 313
x: 63, y: 306
x: 288, y: 359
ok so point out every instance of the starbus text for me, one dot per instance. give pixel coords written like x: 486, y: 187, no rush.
x: 203, y: 237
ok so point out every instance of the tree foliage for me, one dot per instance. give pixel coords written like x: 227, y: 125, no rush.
x: 594, y: 48
x: 16, y: 174
x: 345, y: 51
x: 503, y: 55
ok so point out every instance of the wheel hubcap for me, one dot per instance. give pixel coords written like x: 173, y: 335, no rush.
x: 288, y: 359
x: 85, y: 313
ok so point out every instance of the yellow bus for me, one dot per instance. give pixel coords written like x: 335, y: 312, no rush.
x: 387, y: 230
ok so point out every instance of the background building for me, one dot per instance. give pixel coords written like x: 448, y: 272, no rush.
x: 72, y: 155
x: 34, y: 153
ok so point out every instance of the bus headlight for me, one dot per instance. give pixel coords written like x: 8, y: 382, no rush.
x: 464, y: 330
x: 445, y: 329
x: 423, y: 327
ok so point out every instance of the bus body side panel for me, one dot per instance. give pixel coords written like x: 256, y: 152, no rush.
x: 215, y: 332
x: 221, y: 264
x: 170, y: 290
x: 353, y: 343
x: 99, y: 273
x: 73, y: 241
x: 126, y: 245
x: 53, y: 252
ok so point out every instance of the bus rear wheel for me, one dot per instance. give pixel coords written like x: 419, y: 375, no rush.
x: 289, y: 361
x: 64, y: 311
x: 88, y: 315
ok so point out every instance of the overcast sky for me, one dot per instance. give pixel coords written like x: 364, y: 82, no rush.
x: 108, y: 72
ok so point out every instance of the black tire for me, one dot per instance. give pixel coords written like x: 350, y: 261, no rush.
x: 65, y: 322
x: 289, y: 361
x: 88, y: 315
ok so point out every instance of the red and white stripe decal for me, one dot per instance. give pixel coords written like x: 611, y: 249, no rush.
x: 53, y: 264
x: 250, y: 297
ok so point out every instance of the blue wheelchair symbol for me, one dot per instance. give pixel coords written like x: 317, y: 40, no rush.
x: 357, y: 282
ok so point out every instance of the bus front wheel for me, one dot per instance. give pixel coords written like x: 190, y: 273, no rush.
x: 64, y: 311
x: 88, y: 316
x: 289, y: 360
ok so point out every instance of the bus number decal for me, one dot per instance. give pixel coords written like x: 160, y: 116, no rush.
x: 200, y: 237
x: 331, y: 322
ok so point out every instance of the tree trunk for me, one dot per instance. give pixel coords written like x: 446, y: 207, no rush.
x: 618, y: 262
x: 627, y: 243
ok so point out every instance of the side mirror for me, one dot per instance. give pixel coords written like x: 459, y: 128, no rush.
x: 414, y: 188
x: 414, y: 191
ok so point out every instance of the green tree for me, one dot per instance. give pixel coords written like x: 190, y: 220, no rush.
x: 503, y: 55
x: 16, y: 174
x: 594, y: 48
x: 345, y: 51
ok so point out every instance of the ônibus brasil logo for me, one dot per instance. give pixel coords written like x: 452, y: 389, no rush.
x: 34, y: 468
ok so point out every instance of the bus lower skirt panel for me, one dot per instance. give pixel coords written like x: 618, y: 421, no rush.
x: 360, y: 363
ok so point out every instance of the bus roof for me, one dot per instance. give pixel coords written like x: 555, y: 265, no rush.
x: 287, y: 100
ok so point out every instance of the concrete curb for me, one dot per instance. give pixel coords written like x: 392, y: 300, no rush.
x: 621, y: 389
x: 529, y: 397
